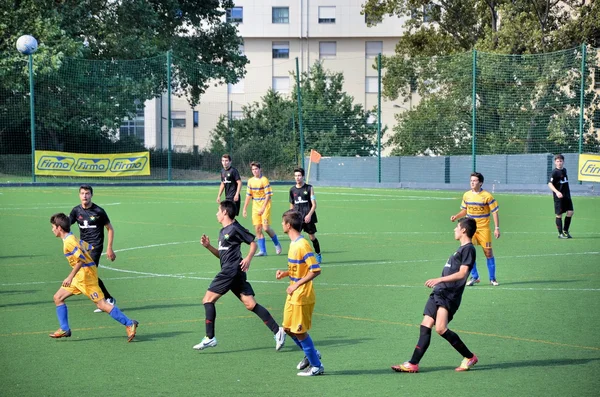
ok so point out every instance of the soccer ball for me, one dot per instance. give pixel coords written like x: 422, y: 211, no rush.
x: 27, y: 44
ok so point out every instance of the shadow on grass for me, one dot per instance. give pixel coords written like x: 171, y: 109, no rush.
x: 161, y: 306
x: 19, y: 256
x: 140, y: 336
x: 19, y: 292
x: 44, y: 302
x: 539, y: 282
x: 290, y: 347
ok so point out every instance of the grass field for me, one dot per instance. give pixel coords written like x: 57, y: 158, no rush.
x: 535, y: 335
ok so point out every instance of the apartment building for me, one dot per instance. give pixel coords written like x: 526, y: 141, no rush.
x: 275, y: 33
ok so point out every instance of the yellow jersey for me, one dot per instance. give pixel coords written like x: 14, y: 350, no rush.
x: 479, y: 206
x: 259, y: 189
x: 78, y: 251
x: 301, y: 260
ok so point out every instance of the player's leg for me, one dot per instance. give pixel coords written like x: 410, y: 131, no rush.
x: 568, y: 207
x: 220, y: 285
x: 429, y: 319
x: 301, y: 320
x: 96, y: 255
x: 558, y: 219
x: 62, y: 313
x: 476, y: 240
x: 260, y: 237
x: 311, y: 229
x: 247, y: 298
x: 266, y: 222
x: 441, y: 327
x: 491, y: 262
x: 93, y: 291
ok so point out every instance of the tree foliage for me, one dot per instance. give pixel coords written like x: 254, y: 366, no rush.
x: 86, y: 78
x: 268, y: 131
x: 526, y: 102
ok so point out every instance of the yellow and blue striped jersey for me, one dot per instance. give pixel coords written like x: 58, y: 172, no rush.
x: 259, y: 189
x: 301, y: 260
x: 479, y: 206
x: 77, y: 251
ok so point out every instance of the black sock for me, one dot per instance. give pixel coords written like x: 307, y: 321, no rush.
x: 422, y: 345
x: 266, y: 317
x: 458, y: 344
x: 107, y: 294
x: 316, y: 245
x: 567, y: 223
x: 210, y: 314
x: 559, y: 225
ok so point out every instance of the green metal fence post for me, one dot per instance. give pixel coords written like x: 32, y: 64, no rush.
x: 169, y: 171
x: 379, y: 117
x: 300, y: 112
x: 474, y: 112
x: 32, y: 117
x: 582, y: 95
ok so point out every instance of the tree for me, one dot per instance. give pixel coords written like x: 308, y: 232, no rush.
x: 84, y: 83
x: 524, y: 103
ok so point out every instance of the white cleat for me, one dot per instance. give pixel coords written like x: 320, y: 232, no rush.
x: 312, y: 371
x: 279, y: 339
x: 205, y: 342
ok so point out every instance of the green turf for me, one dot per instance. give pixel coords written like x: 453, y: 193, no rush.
x: 535, y: 334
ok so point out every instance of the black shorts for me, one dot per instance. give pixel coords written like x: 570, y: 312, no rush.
x: 310, y: 227
x: 435, y: 300
x: 225, y: 282
x: 96, y: 254
x: 237, y: 204
x: 563, y: 205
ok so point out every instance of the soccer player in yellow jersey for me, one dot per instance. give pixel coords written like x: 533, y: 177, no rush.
x: 300, y: 301
x: 83, y: 279
x: 260, y: 192
x: 479, y: 204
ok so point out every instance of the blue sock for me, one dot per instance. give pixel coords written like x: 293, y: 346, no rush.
x: 310, y: 352
x: 297, y: 342
x: 63, y: 317
x: 275, y: 239
x: 120, y: 317
x: 491, y: 264
x: 474, y: 273
x: 262, y: 245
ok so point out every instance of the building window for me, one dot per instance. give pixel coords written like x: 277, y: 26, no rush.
x: 237, y: 88
x: 281, y: 49
x: 327, y: 49
x: 196, y: 118
x: 281, y: 15
x: 371, y: 85
x: 327, y: 14
x: 133, y: 125
x: 178, y: 119
x: 373, y: 48
x: 235, y: 14
x: 281, y: 84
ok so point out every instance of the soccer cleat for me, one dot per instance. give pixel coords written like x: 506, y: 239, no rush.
x: 318, y: 257
x: 566, y: 234
x: 562, y: 235
x: 406, y: 367
x: 467, y: 363
x: 206, y: 342
x: 260, y: 253
x: 312, y: 371
x: 305, y: 363
x: 61, y: 334
x: 494, y: 282
x: 472, y: 282
x: 279, y: 339
x: 131, y: 330
x: 278, y: 249
x: 98, y: 310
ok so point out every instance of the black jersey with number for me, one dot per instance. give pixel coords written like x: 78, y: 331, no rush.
x: 231, y: 238
x: 464, y: 255
x: 560, y: 181
x: 229, y: 178
x: 91, y: 223
x: 300, y: 198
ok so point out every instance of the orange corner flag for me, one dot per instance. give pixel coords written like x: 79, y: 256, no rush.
x: 315, y: 157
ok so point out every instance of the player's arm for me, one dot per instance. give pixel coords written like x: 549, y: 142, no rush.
x: 309, y: 277
x: 239, y: 189
x: 110, y: 254
x: 554, y: 189
x: 67, y: 281
x: 497, y: 223
x: 266, y: 201
x: 279, y: 274
x: 205, y: 241
x: 461, y: 274
x: 248, y: 197
x: 291, y: 199
x: 245, y: 263
x: 313, y: 206
x: 460, y: 214
x: 221, y: 188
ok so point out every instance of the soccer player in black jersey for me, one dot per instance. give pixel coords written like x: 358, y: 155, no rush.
x: 559, y: 184
x: 231, y: 182
x: 303, y: 200
x: 92, y: 221
x: 232, y: 276
x: 445, y: 299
